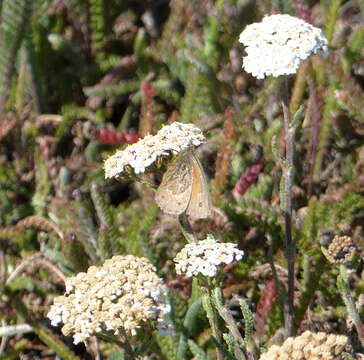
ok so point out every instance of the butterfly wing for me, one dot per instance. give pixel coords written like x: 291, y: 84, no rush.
x: 174, y: 192
x: 199, y: 206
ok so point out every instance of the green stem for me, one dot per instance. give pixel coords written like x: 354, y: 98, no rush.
x: 186, y: 228
x: 233, y: 330
x: 213, y: 320
x: 343, y: 285
x: 310, y: 284
x: 299, y: 87
x: 332, y: 15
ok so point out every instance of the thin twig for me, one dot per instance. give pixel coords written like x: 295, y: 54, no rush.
x: 12, y: 330
x: 40, y: 261
x: 4, y: 339
x: 3, y: 266
x: 23, y: 265
x: 94, y: 342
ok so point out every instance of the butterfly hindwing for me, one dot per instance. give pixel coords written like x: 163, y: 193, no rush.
x: 174, y: 193
x: 199, y: 206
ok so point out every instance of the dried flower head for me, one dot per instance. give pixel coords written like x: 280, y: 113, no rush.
x: 204, y: 257
x: 138, y: 157
x: 310, y: 346
x: 278, y: 44
x: 121, y: 294
x: 342, y: 250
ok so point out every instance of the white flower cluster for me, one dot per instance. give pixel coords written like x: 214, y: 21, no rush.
x: 123, y: 293
x: 278, y: 44
x: 171, y: 139
x: 310, y: 346
x: 204, y: 257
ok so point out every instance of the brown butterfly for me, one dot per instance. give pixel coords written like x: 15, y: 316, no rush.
x: 184, y: 188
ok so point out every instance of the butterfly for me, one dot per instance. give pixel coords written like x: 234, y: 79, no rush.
x: 184, y: 188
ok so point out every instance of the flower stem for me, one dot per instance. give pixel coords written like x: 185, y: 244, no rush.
x: 230, y: 323
x: 126, y: 344
x: 299, y: 86
x: 213, y: 320
x: 287, y: 211
x: 343, y: 285
x: 186, y: 228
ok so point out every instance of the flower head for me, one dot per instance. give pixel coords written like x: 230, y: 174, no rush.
x: 342, y: 250
x: 278, y: 44
x: 204, y: 257
x: 123, y: 293
x: 309, y: 346
x: 171, y: 139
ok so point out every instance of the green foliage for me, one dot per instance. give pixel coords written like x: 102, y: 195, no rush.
x: 69, y: 114
x: 346, y: 208
x: 18, y: 348
x: 97, y: 24
x: 117, y: 355
x: 167, y: 346
x: 193, y: 320
x: 182, y: 350
x: 315, y: 269
x: 135, y: 234
x: 74, y: 252
x: 286, y: 6
x: 322, y: 215
x: 109, y: 240
x: 354, y: 48
x: 124, y: 87
x: 75, y: 220
x: 212, y: 52
x: 230, y: 342
x: 332, y: 14
x: 198, y: 97
x: 14, y: 17
x: 329, y: 108
x: 45, y: 335
x: 248, y: 320
x: 252, y: 207
x: 344, y: 288
x: 197, y: 351
x: 43, y: 185
x: 21, y: 283
x: 71, y: 95
x: 8, y: 213
x: 54, y: 343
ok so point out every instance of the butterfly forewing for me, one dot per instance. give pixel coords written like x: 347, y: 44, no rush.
x: 174, y: 193
x: 199, y: 206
